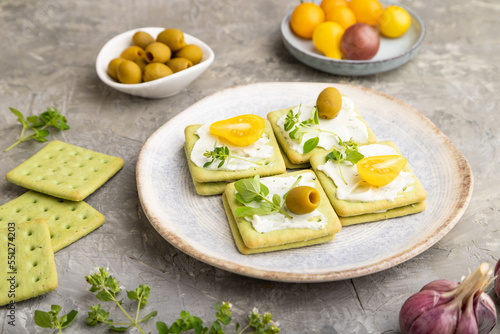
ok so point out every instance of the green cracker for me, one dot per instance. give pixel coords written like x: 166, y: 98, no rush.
x: 65, y: 171
x: 392, y: 213
x: 68, y: 221
x: 212, y: 182
x: 295, y: 157
x: 240, y: 244
x: 28, y: 269
x: 361, y: 212
x: 249, y: 241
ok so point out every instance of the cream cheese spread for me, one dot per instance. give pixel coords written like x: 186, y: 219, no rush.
x: 346, y: 125
x: 252, y: 153
x: 358, y: 190
x: 276, y: 221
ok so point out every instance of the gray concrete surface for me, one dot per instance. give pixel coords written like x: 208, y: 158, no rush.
x: 48, y: 53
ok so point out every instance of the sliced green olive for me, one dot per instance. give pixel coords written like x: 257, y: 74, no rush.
x: 302, y: 199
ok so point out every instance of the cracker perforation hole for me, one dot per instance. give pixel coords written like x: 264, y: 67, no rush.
x: 61, y: 149
x: 50, y: 157
x: 52, y: 236
x: 68, y: 227
x: 105, y: 161
x: 90, y: 158
x: 32, y: 248
x: 37, y: 279
x: 73, y: 208
x: 35, y: 264
x: 18, y: 210
x: 81, y: 165
x: 56, y: 218
x: 45, y: 209
x: 35, y: 201
x: 30, y: 233
x: 96, y: 170
x: 28, y: 219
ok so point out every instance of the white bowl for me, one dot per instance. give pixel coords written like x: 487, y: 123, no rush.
x: 393, y: 52
x: 159, y: 88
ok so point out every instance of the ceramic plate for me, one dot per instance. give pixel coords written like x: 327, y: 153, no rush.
x: 392, y: 53
x: 198, y: 226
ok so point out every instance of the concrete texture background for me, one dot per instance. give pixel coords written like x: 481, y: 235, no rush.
x: 48, y: 53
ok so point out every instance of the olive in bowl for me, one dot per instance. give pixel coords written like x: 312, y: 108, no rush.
x: 159, y: 88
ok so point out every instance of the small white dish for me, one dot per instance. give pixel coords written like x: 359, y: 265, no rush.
x: 159, y: 88
x: 392, y: 53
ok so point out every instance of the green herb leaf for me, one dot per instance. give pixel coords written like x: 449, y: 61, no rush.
x: 43, y: 319
x: 311, y: 144
x: 67, y: 319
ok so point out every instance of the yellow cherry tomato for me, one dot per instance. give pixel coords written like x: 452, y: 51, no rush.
x: 240, y: 130
x: 326, y: 38
x: 366, y: 11
x: 305, y: 18
x: 380, y: 170
x: 329, y: 4
x: 343, y: 15
x: 394, y: 21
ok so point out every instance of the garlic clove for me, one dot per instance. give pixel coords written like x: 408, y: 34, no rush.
x: 486, y: 313
x: 441, y: 285
x: 467, y: 323
x: 415, y: 306
x: 441, y: 319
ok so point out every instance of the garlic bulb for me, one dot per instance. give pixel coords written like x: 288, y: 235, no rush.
x: 444, y: 306
x: 497, y: 279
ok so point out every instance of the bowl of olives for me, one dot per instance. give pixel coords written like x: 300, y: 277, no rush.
x: 152, y: 62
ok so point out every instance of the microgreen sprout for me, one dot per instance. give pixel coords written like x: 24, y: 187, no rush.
x: 223, y: 154
x: 349, y: 152
x: 249, y: 190
x: 298, y: 129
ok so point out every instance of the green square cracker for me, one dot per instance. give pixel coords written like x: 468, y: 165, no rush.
x: 240, y: 244
x: 249, y: 241
x: 294, y: 157
x: 32, y: 261
x: 392, y: 213
x: 65, y: 171
x: 371, y: 211
x: 68, y: 221
x: 213, y: 182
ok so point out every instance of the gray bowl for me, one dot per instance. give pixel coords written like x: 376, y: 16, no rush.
x: 393, y: 52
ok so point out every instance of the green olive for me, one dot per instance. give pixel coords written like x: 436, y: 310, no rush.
x: 173, y: 38
x: 179, y: 64
x: 129, y: 72
x: 155, y: 71
x: 132, y: 53
x: 142, y: 62
x: 113, y: 66
x: 329, y: 103
x: 191, y: 52
x: 142, y: 39
x: 302, y: 199
x: 158, y: 53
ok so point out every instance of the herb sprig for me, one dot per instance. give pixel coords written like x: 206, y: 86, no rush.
x: 223, y: 154
x: 311, y: 125
x: 107, y: 288
x: 38, y: 125
x: 50, y: 320
x: 249, y: 190
x: 349, y: 152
